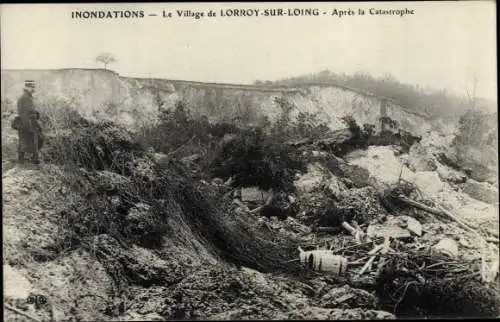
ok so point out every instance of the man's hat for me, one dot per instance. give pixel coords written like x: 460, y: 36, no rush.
x: 29, y: 83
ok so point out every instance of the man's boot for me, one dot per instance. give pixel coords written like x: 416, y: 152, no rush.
x: 36, y: 158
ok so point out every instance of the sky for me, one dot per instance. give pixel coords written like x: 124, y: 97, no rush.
x: 442, y: 44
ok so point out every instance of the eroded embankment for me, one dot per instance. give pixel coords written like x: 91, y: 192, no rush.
x: 103, y: 94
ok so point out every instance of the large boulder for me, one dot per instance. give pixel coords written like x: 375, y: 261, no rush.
x: 383, y: 165
x: 16, y: 284
x: 429, y: 183
x: 481, y: 191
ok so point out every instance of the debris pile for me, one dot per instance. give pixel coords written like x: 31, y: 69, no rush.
x: 384, y: 239
x: 273, y: 231
x: 434, y: 284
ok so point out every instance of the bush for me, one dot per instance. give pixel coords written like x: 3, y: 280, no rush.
x: 478, y: 129
x: 309, y: 126
x: 177, y: 133
x: 94, y: 146
x: 255, y: 158
x: 360, y: 135
x: 475, y: 146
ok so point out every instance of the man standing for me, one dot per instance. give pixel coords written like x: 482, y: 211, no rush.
x: 30, y: 131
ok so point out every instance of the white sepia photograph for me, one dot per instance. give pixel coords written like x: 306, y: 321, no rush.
x: 249, y: 161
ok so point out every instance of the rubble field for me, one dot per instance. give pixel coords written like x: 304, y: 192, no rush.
x: 109, y: 229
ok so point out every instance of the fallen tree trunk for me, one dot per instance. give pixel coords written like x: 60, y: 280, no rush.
x: 337, y: 137
x: 438, y: 212
x: 326, y: 229
x: 13, y: 309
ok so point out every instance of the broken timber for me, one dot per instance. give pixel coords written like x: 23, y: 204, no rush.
x: 336, y: 138
x: 438, y: 212
x: 13, y: 309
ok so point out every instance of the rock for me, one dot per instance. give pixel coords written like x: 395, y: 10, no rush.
x: 464, y: 243
x: 256, y: 277
x: 229, y: 182
x: 296, y: 226
x: 429, y: 183
x: 169, y: 87
x: 355, y: 176
x: 15, y: 284
x: 398, y: 150
x: 346, y: 297
x: 311, y: 180
x: 481, y: 163
x: 134, y: 316
x: 336, y: 140
x: 254, y: 194
x: 481, y: 191
x: 414, y: 226
x: 390, y: 228
x: 383, y: 165
x: 319, y: 153
x: 318, y: 313
x: 447, y: 246
x: 318, y: 178
x: 450, y: 175
x: 490, y: 272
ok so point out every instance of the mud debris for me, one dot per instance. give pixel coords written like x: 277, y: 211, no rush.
x: 153, y: 238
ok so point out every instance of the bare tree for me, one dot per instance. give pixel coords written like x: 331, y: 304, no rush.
x: 472, y: 90
x: 105, y: 58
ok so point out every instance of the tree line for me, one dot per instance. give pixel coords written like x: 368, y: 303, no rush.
x: 439, y: 102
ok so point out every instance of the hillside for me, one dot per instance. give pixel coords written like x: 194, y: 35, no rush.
x: 133, y: 101
x: 99, y: 94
